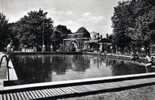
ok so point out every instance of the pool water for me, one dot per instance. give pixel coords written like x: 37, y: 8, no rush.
x: 47, y: 68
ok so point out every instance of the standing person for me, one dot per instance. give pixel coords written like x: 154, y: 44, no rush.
x: 9, y: 47
x: 43, y: 48
x: 51, y: 48
x: 134, y: 57
x: 73, y: 47
x: 149, y: 60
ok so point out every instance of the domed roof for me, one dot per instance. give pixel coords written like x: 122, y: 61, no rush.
x: 83, y: 31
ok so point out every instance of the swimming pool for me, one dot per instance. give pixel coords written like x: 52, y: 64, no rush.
x: 47, y: 68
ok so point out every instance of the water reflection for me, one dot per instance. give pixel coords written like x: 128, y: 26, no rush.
x: 80, y: 63
x: 45, y: 68
x: 32, y: 68
x: 122, y: 68
x: 40, y: 68
x: 60, y: 64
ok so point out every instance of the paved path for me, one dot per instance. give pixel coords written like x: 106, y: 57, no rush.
x: 141, y: 93
x: 84, y: 87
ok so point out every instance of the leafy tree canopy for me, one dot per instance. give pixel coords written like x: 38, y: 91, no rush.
x: 59, y: 33
x: 62, y: 30
x: 4, y: 31
x: 34, y: 29
x: 133, y: 19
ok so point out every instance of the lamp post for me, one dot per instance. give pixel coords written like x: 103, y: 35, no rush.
x: 43, y: 44
x: 2, y: 6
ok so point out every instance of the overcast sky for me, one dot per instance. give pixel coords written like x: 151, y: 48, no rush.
x: 95, y: 15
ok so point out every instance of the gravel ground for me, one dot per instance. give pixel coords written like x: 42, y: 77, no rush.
x: 143, y: 93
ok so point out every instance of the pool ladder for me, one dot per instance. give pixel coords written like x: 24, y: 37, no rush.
x: 7, y: 64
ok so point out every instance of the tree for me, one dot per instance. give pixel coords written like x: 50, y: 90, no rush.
x: 121, y: 41
x: 4, y: 31
x: 121, y: 22
x: 132, y: 19
x: 63, y: 30
x: 34, y: 29
x: 13, y: 34
x: 60, y: 32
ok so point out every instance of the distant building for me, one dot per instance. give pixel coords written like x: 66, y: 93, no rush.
x: 152, y: 49
x: 74, y: 41
x: 95, y: 35
x: 97, y: 43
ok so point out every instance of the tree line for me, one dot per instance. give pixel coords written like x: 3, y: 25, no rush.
x: 32, y: 30
x: 133, y: 28
x: 134, y: 25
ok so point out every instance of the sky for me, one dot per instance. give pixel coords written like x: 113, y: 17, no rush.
x: 94, y: 15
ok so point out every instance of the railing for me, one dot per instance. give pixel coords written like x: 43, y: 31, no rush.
x: 7, y: 64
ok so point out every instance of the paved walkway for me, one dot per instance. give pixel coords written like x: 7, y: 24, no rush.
x: 76, y: 88
x: 141, y: 93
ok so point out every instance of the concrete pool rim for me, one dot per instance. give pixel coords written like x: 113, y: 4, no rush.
x: 44, y: 85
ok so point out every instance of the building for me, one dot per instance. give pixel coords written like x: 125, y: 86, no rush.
x: 74, y: 42
x: 152, y: 49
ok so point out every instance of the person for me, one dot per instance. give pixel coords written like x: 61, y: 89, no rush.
x: 134, y: 57
x: 73, y: 47
x: 43, y: 48
x: 51, y: 48
x: 34, y: 49
x: 9, y: 47
x: 148, y: 60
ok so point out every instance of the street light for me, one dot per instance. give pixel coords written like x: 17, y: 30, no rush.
x: 143, y: 49
x: 2, y: 6
x: 43, y: 44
